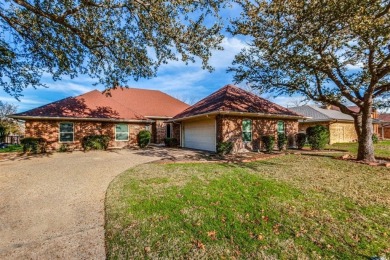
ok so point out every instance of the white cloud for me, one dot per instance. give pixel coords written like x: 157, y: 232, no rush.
x: 183, y: 85
x: 357, y: 66
x: 286, y: 101
x: 223, y: 59
x: 25, y: 103
x: 55, y: 90
x: 218, y: 60
x: 68, y: 88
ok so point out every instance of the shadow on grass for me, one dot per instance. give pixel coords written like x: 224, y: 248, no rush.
x: 323, y: 155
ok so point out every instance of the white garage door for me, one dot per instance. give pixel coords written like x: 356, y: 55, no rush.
x: 200, y: 135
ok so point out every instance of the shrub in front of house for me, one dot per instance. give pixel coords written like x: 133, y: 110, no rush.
x: 317, y: 137
x: 300, y: 140
x: 144, y: 137
x: 33, y: 144
x: 64, y: 148
x: 224, y: 148
x: 269, y: 142
x: 95, y: 142
x: 375, y: 138
x: 171, y: 142
x: 282, y: 141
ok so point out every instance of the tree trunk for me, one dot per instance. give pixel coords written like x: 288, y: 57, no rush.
x: 364, y: 129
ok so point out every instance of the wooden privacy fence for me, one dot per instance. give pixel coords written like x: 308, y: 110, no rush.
x: 13, y: 139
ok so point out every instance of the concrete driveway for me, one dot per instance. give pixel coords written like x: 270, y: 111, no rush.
x: 53, y: 206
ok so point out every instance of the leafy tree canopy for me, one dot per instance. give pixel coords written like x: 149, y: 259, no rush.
x: 332, y: 51
x: 8, y: 125
x: 110, y: 40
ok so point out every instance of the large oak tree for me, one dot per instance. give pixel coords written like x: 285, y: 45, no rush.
x: 110, y: 40
x: 335, y: 52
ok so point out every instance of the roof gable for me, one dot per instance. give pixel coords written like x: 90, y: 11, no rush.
x: 233, y: 99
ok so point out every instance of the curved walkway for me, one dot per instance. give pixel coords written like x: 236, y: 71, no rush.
x: 53, y: 206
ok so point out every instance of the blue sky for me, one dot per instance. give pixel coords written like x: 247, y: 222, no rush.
x: 186, y: 82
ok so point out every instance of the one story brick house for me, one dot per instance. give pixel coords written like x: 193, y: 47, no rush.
x: 341, y: 126
x: 120, y: 114
x: 233, y: 115
x: 384, y: 129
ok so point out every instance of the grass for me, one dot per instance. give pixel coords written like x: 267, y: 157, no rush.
x: 382, y: 148
x: 293, y: 206
x: 12, y: 148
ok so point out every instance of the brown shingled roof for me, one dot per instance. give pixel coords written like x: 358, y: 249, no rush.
x: 149, y: 103
x: 384, y: 117
x: 233, y: 99
x: 124, y: 104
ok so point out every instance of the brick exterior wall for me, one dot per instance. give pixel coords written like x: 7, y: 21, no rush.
x: 159, y: 131
x: 229, y: 128
x: 49, y: 129
x: 384, y: 132
x: 176, y: 128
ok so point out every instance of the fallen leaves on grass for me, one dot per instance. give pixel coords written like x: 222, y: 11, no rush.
x: 275, y: 229
x: 212, y: 235
x: 199, y: 245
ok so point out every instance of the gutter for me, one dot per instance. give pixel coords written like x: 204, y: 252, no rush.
x: 328, y: 120
x: 332, y: 120
x: 79, y: 119
x: 159, y: 117
x: 248, y: 114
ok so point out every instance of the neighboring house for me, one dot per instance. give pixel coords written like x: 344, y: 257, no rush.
x: 233, y: 115
x: 341, y: 126
x: 121, y: 115
x: 384, y: 130
x: 356, y: 109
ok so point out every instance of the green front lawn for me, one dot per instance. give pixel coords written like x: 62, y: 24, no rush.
x: 293, y: 206
x: 12, y: 148
x: 382, y: 148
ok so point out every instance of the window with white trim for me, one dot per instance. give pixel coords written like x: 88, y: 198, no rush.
x: 121, y: 132
x: 247, y: 130
x: 66, y: 132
